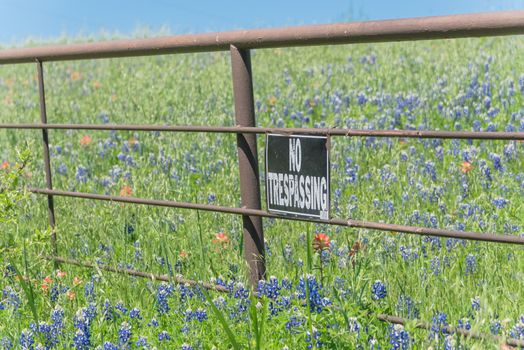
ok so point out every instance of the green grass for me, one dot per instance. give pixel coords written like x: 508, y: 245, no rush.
x: 196, y: 89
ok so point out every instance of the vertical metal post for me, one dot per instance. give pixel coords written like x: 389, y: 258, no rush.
x: 248, y: 163
x: 47, y: 162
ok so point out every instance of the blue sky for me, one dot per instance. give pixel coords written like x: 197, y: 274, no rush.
x: 47, y: 20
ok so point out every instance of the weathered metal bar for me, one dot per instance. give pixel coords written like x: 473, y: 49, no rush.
x: 478, y: 135
x: 179, y: 280
x: 47, y: 161
x: 476, y: 236
x: 448, y: 329
x: 422, y: 28
x: 131, y: 272
x: 254, y: 250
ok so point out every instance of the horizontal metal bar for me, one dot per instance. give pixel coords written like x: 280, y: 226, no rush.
x: 480, y: 135
x: 422, y: 28
x: 448, y: 329
x: 131, y: 272
x: 487, y: 237
x: 219, y: 288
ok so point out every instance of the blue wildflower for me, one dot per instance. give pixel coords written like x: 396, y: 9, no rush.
x: 407, y: 307
x: 475, y: 304
x: 378, y: 290
x: 124, y: 333
x: 27, y: 339
x: 471, y: 264
x: 142, y: 342
x: 398, y: 337
x: 164, y: 336
x: 135, y: 313
x: 495, y: 327
x: 500, y: 202
x: 110, y: 346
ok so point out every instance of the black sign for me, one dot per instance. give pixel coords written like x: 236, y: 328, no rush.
x: 297, y: 175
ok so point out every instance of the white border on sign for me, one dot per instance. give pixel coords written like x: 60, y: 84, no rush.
x: 328, y: 179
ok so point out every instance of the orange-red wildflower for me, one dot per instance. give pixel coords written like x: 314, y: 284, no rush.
x: 466, y: 167
x: 126, y: 191
x: 221, y: 237
x: 86, y: 140
x: 321, y: 242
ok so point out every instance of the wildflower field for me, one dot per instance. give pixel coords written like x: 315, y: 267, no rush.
x: 325, y: 284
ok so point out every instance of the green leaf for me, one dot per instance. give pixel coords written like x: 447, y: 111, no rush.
x: 222, y: 320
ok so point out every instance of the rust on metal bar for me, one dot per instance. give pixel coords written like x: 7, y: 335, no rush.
x: 478, y: 135
x: 254, y: 250
x: 131, y: 272
x: 47, y: 161
x: 476, y: 236
x: 422, y: 28
x: 180, y: 280
x: 448, y: 329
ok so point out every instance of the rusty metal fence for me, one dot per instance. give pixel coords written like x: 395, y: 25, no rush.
x: 239, y: 43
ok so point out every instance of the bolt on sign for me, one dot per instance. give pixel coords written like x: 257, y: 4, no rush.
x: 297, y: 175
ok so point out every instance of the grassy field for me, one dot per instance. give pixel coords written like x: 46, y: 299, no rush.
x: 313, y: 299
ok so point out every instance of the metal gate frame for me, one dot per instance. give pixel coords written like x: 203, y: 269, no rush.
x: 239, y: 44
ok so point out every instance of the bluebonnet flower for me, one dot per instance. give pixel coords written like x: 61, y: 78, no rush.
x: 164, y: 336
x: 270, y: 288
x: 81, y: 340
x: 429, y: 170
x: 439, y: 325
x: 124, y: 333
x: 408, y: 253
x: 108, y: 312
x: 6, y: 343
x: 27, y: 339
x: 475, y: 304
x: 517, y: 331
x: 361, y: 98
x: 500, y: 202
x: 354, y: 325
x: 316, y: 300
x: 135, y: 313
x: 407, y: 307
x: 186, y: 346
x: 82, y: 321
x: 288, y: 253
x: 497, y: 162
x: 110, y: 346
x: 54, y: 292
x: 220, y: 302
x: 509, y: 150
x: 316, y: 337
x: 11, y: 298
x: 295, y: 322
x: 104, y: 117
x: 89, y: 290
x: 81, y: 174
x: 471, y: 264
x: 142, y: 342
x: 495, y: 327
x: 163, y: 291
x: 200, y: 315
x: 435, y: 265
x: 62, y: 169
x: 378, y: 290
x: 398, y: 337
x: 153, y: 323
x: 449, y: 343
x: 464, y: 324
